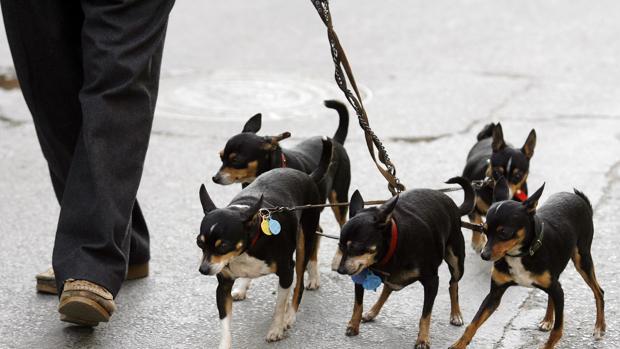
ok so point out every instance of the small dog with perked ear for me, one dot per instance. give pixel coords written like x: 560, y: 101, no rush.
x: 404, y: 241
x: 493, y: 155
x: 530, y: 247
x: 248, y: 155
x: 243, y: 241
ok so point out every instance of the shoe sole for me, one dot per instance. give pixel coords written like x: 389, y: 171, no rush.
x: 82, y: 311
x: 47, y: 287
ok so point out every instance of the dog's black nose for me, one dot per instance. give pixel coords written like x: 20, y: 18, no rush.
x: 342, y: 270
x: 204, y: 269
x: 216, y: 179
x: 486, y: 255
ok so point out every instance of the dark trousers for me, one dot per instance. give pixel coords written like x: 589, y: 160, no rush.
x: 89, y: 72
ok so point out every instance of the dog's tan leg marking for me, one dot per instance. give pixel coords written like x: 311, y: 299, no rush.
x: 456, y: 318
x: 424, y: 340
x: 300, y: 255
x: 471, y: 330
x: 590, y: 279
x: 478, y: 240
x: 554, y: 337
x: 314, y: 281
x: 547, y: 322
x: 340, y: 218
x: 376, y: 308
x: 353, y: 328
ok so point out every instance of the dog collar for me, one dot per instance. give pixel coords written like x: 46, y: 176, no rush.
x: 520, y: 195
x: 393, y: 243
x: 255, y: 238
x: 539, y: 227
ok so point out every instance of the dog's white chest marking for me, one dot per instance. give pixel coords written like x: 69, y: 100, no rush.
x: 518, y: 272
x: 246, y: 266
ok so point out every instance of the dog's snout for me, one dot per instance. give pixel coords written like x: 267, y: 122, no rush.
x: 217, y: 178
x: 204, y: 269
x: 342, y: 270
x: 486, y: 254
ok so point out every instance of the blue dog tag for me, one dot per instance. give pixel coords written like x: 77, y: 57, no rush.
x: 360, y: 278
x: 372, y: 282
x: 274, y: 226
x: 367, y: 279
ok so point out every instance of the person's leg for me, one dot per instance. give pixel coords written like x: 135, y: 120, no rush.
x: 122, y: 45
x: 44, y: 38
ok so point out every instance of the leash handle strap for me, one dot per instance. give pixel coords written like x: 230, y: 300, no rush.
x: 341, y: 62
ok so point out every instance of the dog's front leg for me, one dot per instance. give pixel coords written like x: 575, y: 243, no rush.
x: 242, y: 285
x: 224, y: 307
x: 430, y: 293
x: 488, y: 306
x: 278, y: 325
x: 557, y: 294
x: 353, y: 328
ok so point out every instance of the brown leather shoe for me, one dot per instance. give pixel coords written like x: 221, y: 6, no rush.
x: 46, y: 282
x: 85, y: 303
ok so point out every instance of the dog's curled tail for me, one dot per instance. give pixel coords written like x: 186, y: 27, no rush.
x: 343, y: 124
x: 486, y: 132
x: 585, y: 198
x: 326, y: 159
x: 469, y: 201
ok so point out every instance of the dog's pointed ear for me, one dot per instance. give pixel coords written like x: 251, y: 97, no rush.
x: 501, y: 192
x: 385, y: 210
x: 250, y: 213
x: 530, y: 144
x: 356, y: 204
x: 253, y: 124
x: 532, y: 202
x: 498, y: 138
x: 205, y: 200
x: 271, y: 142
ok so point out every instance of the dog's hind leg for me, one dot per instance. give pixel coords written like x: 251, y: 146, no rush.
x: 455, y: 258
x: 376, y: 308
x: 585, y: 266
x: 240, y: 289
x: 430, y: 292
x: 309, y: 225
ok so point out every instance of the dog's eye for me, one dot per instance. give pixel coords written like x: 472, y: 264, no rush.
x: 503, y: 234
x: 200, y: 242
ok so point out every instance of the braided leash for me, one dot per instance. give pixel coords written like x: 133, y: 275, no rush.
x: 343, y: 73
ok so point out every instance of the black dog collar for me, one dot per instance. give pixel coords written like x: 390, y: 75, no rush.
x: 539, y: 229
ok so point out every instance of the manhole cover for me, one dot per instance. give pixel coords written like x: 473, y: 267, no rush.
x: 234, y: 96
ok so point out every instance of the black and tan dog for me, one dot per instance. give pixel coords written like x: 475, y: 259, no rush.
x: 248, y: 155
x: 531, y: 248
x: 234, y: 247
x: 493, y: 155
x: 404, y: 241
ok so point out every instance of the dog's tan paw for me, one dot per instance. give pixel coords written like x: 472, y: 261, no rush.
x: 289, y: 318
x: 352, y: 331
x: 422, y: 345
x: 369, y: 316
x: 456, y: 319
x: 275, y: 334
x: 238, y: 295
x: 545, y: 326
x: 598, y: 333
x: 478, y: 243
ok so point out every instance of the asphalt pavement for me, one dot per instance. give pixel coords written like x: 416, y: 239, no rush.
x: 432, y: 74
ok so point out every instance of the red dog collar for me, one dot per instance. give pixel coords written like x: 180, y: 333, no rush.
x: 520, y: 195
x: 255, y: 238
x: 283, y: 160
x: 393, y: 243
